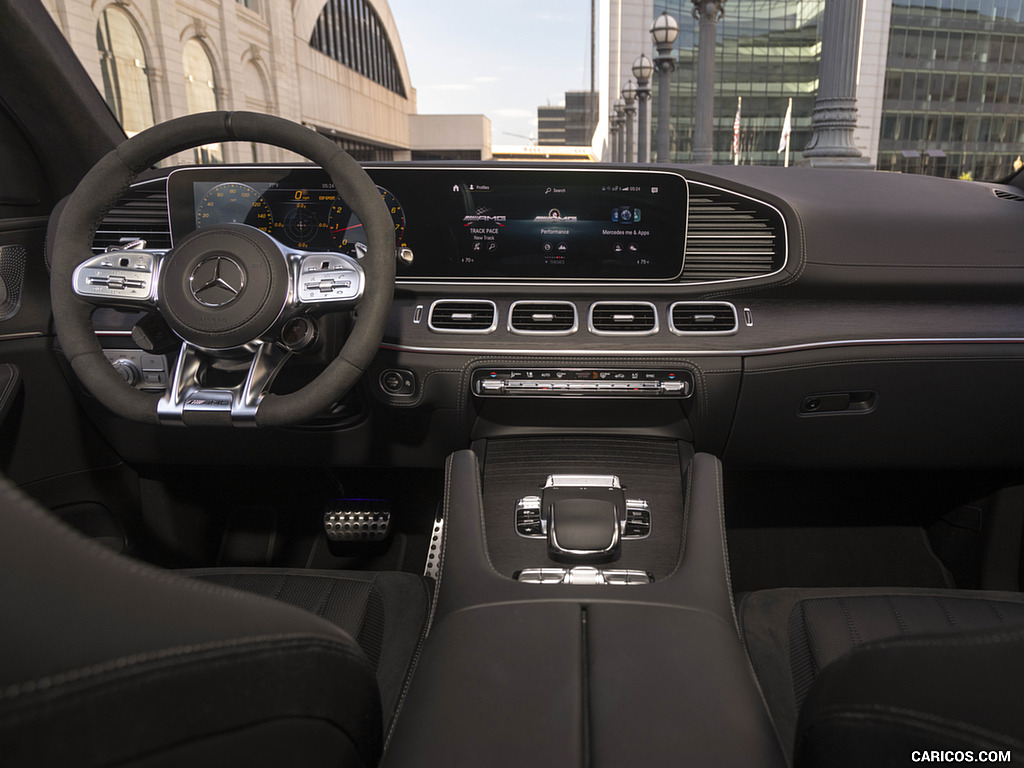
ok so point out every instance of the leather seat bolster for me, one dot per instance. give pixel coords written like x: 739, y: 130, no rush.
x: 927, y: 692
x: 131, y: 706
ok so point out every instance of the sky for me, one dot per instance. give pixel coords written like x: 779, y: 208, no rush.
x: 501, y: 58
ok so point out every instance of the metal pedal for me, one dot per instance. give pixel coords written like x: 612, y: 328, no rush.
x: 357, y: 520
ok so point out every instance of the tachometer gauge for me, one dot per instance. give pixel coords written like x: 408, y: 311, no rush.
x: 234, y: 203
x: 346, y: 230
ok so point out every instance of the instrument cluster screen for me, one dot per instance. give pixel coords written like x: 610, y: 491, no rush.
x: 461, y: 223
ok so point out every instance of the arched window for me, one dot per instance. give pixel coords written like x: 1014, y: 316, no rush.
x: 125, y: 77
x: 200, y: 92
x: 351, y: 32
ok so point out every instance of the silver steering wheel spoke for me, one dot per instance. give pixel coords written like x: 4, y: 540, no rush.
x: 187, y: 394
x: 125, y: 277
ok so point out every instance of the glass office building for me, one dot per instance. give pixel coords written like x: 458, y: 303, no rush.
x: 954, y: 88
x: 767, y: 52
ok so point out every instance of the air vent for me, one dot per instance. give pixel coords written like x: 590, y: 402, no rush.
x: 703, y: 317
x: 140, y: 214
x: 463, y: 316
x: 619, y: 317
x: 542, y: 317
x: 731, y: 237
x: 1003, y: 194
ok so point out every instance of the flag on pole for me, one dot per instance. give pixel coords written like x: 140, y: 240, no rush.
x: 736, y: 132
x: 786, y: 128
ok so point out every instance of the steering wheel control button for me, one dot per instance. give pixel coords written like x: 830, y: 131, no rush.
x: 116, y: 275
x: 398, y: 381
x: 329, y: 277
x: 224, y: 287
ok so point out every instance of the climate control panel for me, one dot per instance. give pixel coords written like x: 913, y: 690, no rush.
x: 582, y: 382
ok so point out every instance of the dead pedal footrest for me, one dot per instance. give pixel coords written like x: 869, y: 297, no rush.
x: 355, y: 520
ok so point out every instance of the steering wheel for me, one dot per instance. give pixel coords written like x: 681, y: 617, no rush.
x: 227, y: 291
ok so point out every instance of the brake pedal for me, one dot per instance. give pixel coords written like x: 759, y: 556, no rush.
x: 357, y: 520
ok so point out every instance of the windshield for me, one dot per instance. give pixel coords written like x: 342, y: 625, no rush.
x: 937, y: 85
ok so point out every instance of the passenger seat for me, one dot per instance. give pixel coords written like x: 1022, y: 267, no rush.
x: 857, y: 677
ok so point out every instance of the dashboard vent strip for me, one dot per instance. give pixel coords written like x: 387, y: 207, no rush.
x: 729, y: 236
x: 1003, y: 194
x: 703, y: 317
x: 140, y: 213
x: 540, y: 317
x: 463, y: 316
x: 619, y: 317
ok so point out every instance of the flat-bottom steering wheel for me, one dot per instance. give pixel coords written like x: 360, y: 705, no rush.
x: 225, y: 290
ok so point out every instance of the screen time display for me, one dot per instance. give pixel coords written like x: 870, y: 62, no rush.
x: 462, y: 223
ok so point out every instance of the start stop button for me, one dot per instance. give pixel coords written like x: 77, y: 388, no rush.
x: 397, y: 381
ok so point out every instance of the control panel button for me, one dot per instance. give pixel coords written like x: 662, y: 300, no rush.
x: 398, y: 382
x: 583, y: 382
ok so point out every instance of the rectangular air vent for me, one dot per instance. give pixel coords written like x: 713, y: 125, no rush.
x: 623, y: 317
x: 703, y: 317
x: 463, y: 316
x: 730, y: 236
x: 542, y: 317
x: 140, y: 214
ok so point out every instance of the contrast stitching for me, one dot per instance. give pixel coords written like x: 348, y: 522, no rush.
x: 126, y: 663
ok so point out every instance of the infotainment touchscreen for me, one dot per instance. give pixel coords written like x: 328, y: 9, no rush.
x: 467, y: 223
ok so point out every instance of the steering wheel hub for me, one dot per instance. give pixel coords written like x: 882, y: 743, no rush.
x: 224, y: 286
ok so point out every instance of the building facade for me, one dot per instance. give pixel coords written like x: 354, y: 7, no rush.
x: 571, y: 124
x: 940, y: 85
x: 953, y: 102
x: 335, y: 66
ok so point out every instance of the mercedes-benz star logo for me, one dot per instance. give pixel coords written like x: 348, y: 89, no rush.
x: 217, y: 281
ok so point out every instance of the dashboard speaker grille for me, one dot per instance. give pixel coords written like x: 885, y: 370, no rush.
x: 729, y: 236
x: 614, y: 317
x: 703, y: 317
x: 463, y: 316
x: 543, y: 317
x: 141, y: 213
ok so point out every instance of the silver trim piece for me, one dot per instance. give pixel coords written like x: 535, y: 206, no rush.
x: 584, y: 575
x: 494, y: 318
x: 642, y: 332
x: 582, y: 352
x: 522, y: 332
x: 582, y: 481
x: 432, y: 569
x: 672, y: 325
x: 185, y: 392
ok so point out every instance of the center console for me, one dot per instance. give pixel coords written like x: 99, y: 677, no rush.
x: 583, y: 614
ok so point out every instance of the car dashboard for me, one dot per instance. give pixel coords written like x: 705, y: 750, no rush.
x: 707, y: 304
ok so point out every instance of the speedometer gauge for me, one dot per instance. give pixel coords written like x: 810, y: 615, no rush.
x: 234, y: 203
x: 346, y: 230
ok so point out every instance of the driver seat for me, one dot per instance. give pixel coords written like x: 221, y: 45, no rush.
x: 105, y: 660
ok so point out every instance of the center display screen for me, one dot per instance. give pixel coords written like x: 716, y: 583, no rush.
x: 462, y: 223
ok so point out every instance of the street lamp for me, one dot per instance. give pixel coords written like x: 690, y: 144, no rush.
x: 643, y: 68
x: 664, y: 32
x: 620, y: 121
x: 629, y: 96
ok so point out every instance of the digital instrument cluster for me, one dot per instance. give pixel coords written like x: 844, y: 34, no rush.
x: 461, y: 223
